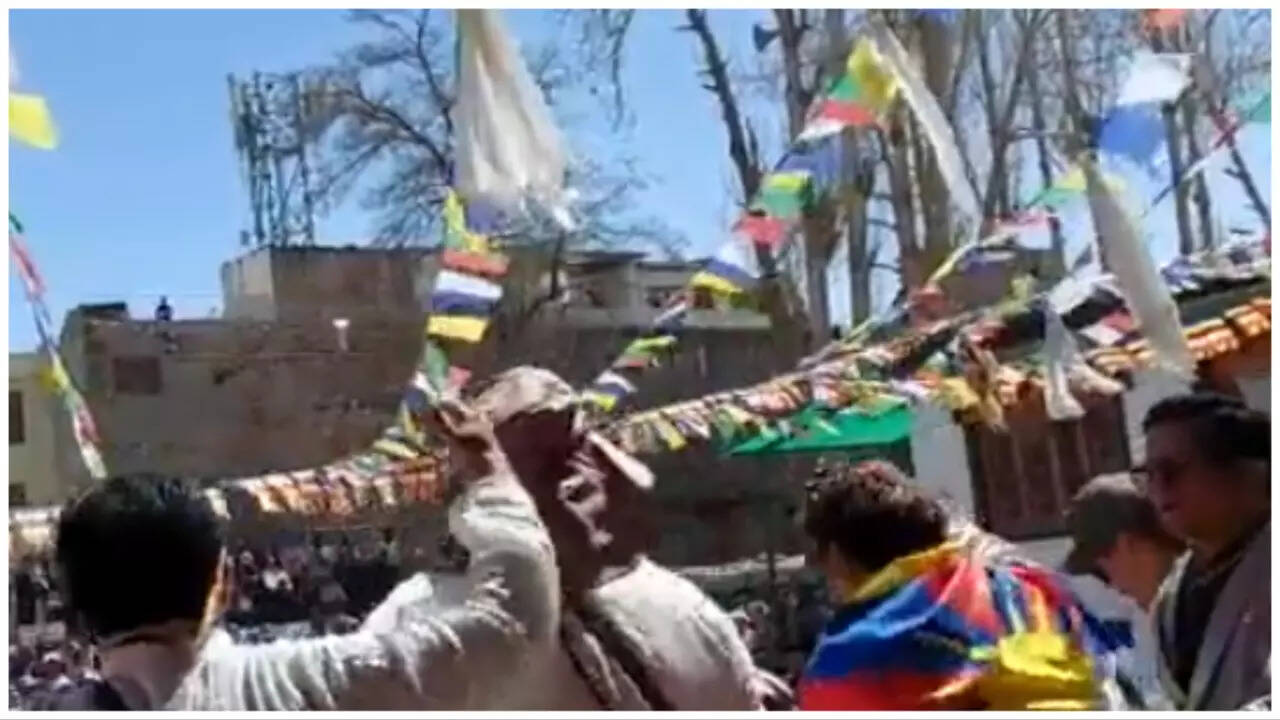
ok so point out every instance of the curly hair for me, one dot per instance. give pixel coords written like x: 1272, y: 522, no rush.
x: 871, y: 513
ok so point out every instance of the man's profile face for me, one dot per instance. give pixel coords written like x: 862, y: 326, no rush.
x: 1121, y: 566
x: 1194, y: 498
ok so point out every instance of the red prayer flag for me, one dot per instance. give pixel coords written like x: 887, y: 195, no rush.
x: 1163, y: 19
x: 846, y: 112
x: 762, y: 230
x: 26, y: 268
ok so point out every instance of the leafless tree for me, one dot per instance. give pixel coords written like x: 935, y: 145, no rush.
x: 389, y: 133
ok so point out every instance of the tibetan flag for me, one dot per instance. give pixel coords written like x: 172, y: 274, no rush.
x: 30, y: 121
x: 784, y: 195
x: 762, y: 230
x: 730, y: 271
x: 947, y: 629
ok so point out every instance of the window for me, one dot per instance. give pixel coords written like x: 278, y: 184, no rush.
x: 136, y: 375
x: 17, y: 419
x: 1023, y: 480
x: 17, y: 494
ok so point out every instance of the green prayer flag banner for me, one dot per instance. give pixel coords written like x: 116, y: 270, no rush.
x: 885, y: 423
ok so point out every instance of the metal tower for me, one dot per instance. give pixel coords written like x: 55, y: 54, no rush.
x: 277, y: 120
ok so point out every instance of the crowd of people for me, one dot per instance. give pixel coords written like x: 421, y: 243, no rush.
x: 559, y: 608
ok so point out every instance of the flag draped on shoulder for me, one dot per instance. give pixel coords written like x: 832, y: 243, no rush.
x: 946, y: 630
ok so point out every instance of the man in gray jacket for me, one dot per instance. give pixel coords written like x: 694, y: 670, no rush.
x: 145, y: 566
x: 634, y: 635
x: 1208, y: 472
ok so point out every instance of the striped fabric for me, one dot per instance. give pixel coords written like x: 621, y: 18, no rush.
x: 943, y: 630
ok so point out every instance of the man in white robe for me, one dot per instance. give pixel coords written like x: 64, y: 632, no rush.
x: 135, y: 552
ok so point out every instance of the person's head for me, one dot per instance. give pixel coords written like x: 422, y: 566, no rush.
x: 859, y: 518
x: 1117, y: 537
x: 1207, y: 466
x: 141, y: 551
x: 593, y: 497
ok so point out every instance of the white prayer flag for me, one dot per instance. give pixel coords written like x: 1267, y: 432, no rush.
x: 1155, y: 78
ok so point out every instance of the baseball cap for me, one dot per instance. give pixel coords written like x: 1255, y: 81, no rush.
x: 1103, y: 509
x: 528, y: 391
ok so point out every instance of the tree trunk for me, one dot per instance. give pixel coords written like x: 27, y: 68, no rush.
x: 1058, y: 261
x: 1078, y: 123
x: 855, y: 232
x: 934, y: 196
x: 1186, y: 242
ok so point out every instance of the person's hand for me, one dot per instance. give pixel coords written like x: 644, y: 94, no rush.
x: 473, y: 451
x: 774, y: 693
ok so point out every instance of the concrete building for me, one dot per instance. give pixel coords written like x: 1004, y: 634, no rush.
x: 274, y: 384
x: 34, y: 413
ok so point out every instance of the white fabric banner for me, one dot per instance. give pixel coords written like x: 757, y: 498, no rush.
x: 935, y: 124
x: 508, y: 147
x: 1144, y: 291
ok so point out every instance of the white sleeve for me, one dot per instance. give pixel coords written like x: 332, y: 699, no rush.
x: 446, y: 657
x: 741, y: 690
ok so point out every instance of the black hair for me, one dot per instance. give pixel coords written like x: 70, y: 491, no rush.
x: 872, y: 514
x: 1223, y: 428
x: 138, y: 550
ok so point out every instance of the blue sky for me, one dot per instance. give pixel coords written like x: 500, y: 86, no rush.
x: 143, y: 198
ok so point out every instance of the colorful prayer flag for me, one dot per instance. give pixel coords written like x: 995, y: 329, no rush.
x: 1163, y: 19
x: 459, y: 327
x: 456, y: 283
x: 1133, y: 131
x: 1155, y: 77
x: 30, y: 121
x: 26, y: 267
x: 762, y: 230
x: 784, y: 195
x: 730, y: 271
x: 877, y: 85
x: 476, y: 263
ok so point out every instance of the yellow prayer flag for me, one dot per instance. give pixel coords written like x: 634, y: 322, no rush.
x: 604, y: 401
x: 1073, y: 181
x: 714, y: 283
x: 459, y: 327
x: 395, y: 449
x: 30, y: 122
x: 668, y: 432
x: 649, y: 344
x: 57, y: 374
x: 877, y: 85
x: 792, y: 182
x: 454, y: 216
